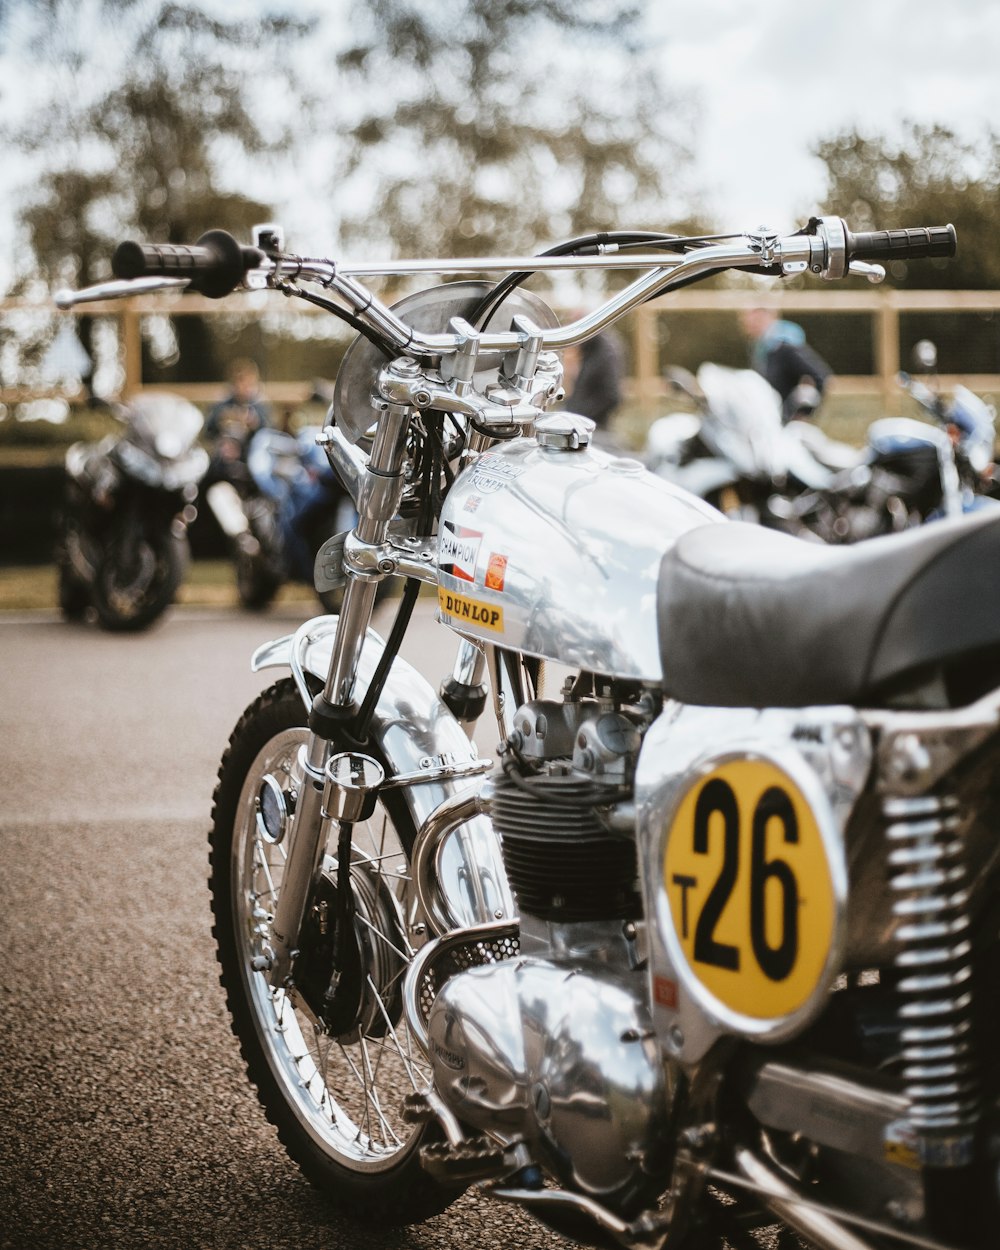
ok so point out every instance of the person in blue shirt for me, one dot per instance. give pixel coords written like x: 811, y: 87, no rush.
x: 780, y: 353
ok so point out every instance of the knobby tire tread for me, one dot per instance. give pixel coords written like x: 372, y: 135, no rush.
x: 405, y: 1195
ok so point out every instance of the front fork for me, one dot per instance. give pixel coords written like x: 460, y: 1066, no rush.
x: 378, y: 502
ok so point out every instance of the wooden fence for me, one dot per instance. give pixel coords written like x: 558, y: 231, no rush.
x: 881, y: 308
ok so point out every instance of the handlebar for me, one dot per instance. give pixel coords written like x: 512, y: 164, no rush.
x: 215, y: 265
x: 914, y: 244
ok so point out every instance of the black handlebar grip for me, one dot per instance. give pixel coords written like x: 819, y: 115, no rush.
x: 215, y: 265
x: 914, y: 244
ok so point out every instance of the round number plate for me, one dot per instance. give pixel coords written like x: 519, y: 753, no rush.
x: 754, y: 886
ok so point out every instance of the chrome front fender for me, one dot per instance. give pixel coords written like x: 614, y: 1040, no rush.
x: 456, y: 860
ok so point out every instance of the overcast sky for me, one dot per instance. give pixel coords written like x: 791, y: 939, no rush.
x: 776, y: 75
x: 773, y: 77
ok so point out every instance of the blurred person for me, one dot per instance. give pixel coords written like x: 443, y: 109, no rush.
x: 779, y: 352
x: 234, y: 420
x: 596, y: 387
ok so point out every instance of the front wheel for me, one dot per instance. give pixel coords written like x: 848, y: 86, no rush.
x: 72, y: 592
x: 256, y: 581
x: 138, y: 577
x: 333, y: 1088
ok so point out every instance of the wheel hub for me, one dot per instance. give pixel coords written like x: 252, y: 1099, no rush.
x: 352, y: 985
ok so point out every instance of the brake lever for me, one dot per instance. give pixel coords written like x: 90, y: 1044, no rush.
x: 118, y: 289
x: 864, y: 269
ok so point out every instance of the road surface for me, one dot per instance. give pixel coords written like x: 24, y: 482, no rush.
x: 125, y: 1119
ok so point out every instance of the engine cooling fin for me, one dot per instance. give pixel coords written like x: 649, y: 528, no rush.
x: 562, y: 863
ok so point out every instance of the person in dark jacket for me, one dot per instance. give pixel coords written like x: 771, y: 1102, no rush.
x: 597, y: 387
x: 780, y: 353
x: 234, y: 420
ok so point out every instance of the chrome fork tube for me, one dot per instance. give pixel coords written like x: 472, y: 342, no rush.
x: 355, y: 617
x: 378, y: 501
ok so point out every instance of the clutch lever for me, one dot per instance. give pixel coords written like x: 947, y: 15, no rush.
x: 118, y: 289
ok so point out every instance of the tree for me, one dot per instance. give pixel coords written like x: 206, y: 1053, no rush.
x: 483, y: 126
x: 135, y: 130
x: 927, y: 176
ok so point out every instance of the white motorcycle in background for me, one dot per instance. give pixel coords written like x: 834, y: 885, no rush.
x: 716, y: 946
x: 129, y: 499
x: 737, y: 453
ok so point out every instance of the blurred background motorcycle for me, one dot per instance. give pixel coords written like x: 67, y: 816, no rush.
x: 122, y: 545
x: 278, y: 512
x: 735, y: 452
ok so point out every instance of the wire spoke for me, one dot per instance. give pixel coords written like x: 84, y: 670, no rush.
x: 405, y: 1059
x: 381, y: 937
x: 348, y: 1089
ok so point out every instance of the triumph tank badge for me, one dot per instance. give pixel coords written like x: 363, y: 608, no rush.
x: 492, y: 473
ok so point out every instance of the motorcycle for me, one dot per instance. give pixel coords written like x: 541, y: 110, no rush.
x: 739, y: 455
x: 969, y: 421
x: 735, y: 453
x: 278, y: 512
x: 715, y: 948
x: 122, y: 547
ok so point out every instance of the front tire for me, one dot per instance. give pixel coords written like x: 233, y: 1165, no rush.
x: 256, y: 582
x: 72, y: 592
x: 138, y: 579
x: 334, y: 1100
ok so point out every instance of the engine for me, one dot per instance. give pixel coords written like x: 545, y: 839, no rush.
x: 554, y: 1047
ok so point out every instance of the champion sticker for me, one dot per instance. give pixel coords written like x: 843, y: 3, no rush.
x: 458, y: 551
x: 496, y: 572
x: 463, y: 609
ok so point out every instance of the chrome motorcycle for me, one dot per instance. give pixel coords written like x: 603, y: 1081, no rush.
x: 715, y: 948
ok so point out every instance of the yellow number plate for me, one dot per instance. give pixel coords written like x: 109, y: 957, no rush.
x: 750, y: 889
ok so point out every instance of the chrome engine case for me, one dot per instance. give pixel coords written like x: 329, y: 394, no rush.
x: 555, y: 1047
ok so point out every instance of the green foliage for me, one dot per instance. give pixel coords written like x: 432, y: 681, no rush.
x: 138, y: 130
x: 927, y: 176
x: 134, y: 143
x: 486, y: 126
x: 81, y: 425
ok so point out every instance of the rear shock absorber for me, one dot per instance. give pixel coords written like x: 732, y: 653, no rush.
x: 933, y: 966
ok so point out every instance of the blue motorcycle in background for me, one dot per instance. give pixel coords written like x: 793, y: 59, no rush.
x: 737, y: 453
x: 278, y: 514
x: 911, y: 471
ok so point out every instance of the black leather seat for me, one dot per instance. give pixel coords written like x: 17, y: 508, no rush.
x: 753, y: 618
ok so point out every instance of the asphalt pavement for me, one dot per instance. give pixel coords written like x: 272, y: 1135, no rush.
x: 125, y: 1117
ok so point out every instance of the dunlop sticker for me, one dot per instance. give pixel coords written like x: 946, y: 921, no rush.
x: 462, y: 608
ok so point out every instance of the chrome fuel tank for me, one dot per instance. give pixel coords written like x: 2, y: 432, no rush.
x: 555, y: 551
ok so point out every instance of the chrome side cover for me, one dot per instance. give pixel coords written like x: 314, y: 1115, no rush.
x: 563, y: 1057
x: 555, y: 552
x: 741, y: 819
